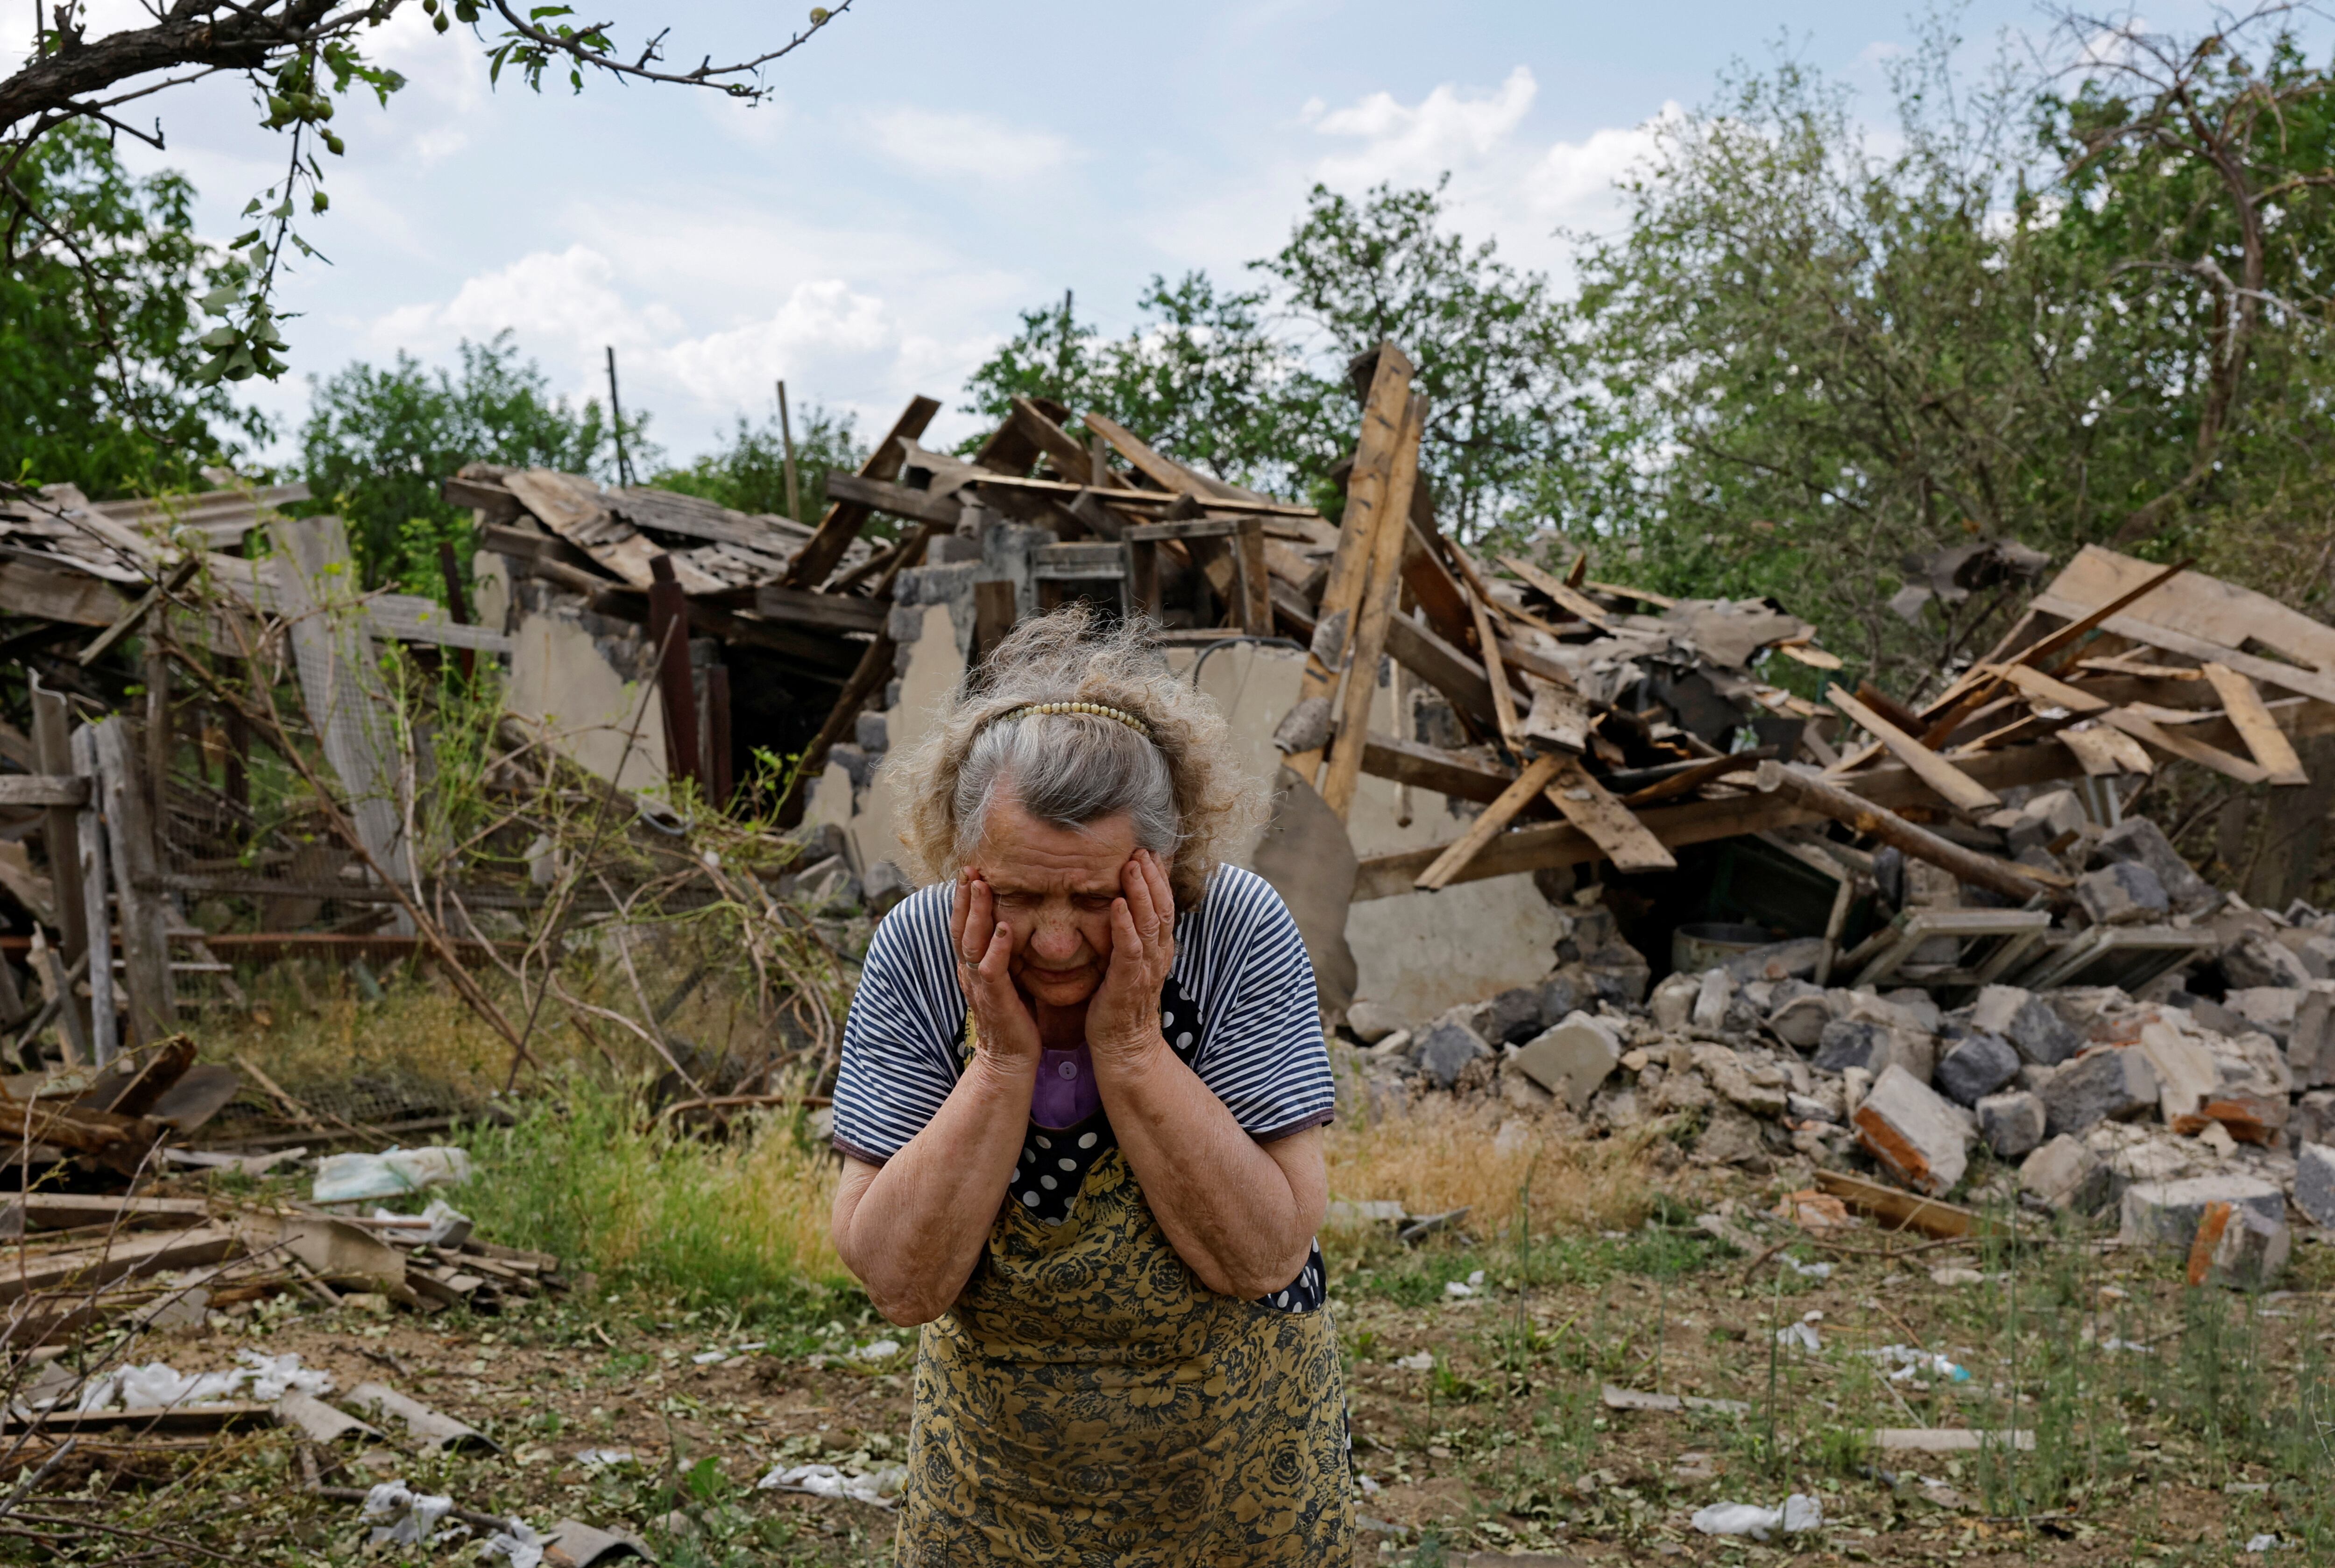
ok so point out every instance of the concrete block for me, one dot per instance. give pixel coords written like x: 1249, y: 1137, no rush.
x: 1570, y: 1060
x: 2313, y: 1119
x: 2187, y: 1072
x: 2112, y: 1084
x: 887, y: 884
x: 2127, y: 893
x: 2139, y: 840
x: 2314, y: 1183
x: 2317, y: 952
x: 1673, y: 1003
x: 2310, y: 1042
x: 2044, y: 821
x: 1916, y: 1135
x: 2238, y: 1247
x: 2037, y: 1033
x: 1560, y: 998
x: 1973, y: 1066
x: 2273, y: 1009
x: 2166, y: 1214
x: 1710, y: 1000
x: 1515, y: 1016
x: 2011, y: 1124
x: 1372, y: 1022
x: 1447, y: 1046
x: 1797, y: 1013
x: 1847, y: 1042
x: 2256, y: 959
x: 2065, y: 1174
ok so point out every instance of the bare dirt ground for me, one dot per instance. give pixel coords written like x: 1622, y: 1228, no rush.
x: 2171, y: 1425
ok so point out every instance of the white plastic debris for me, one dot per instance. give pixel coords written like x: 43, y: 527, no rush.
x: 344, y: 1179
x: 1370, y: 1488
x: 1457, y: 1291
x: 880, y: 1488
x: 1912, y: 1363
x: 1421, y: 1361
x: 517, y: 1542
x: 1800, y: 1511
x: 448, y: 1226
x: 158, y: 1386
x: 401, y: 1516
x: 602, y: 1459
x: 710, y: 1357
x: 1804, y: 1335
x: 2262, y: 1544
x: 1807, y: 1271
x: 878, y: 1350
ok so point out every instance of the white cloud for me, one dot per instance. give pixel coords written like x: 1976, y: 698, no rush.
x: 1412, y: 146
x: 974, y: 147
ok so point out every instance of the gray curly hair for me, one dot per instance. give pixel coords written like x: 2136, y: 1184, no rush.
x: 1188, y: 798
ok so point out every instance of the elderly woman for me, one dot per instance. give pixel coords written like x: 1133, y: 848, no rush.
x: 1079, y: 1107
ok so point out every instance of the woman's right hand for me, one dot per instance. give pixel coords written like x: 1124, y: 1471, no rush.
x: 1005, y: 1030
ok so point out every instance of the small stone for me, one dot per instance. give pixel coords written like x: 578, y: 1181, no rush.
x: 1673, y: 1003
x: 1560, y: 998
x: 1915, y: 1134
x: 1806, y: 1108
x: 2044, y: 820
x: 1974, y: 1066
x: 2314, y: 1183
x: 1855, y: 1084
x: 2313, y: 1119
x: 1371, y: 1021
x: 2166, y: 1213
x: 1572, y: 1059
x: 2273, y: 1009
x: 2039, y: 1034
x: 1797, y: 1013
x: 2067, y: 1175
x: 2112, y: 1084
x: 2238, y: 1247
x: 2012, y: 1124
x: 1847, y: 1042
x: 1447, y: 1046
x: 1730, y: 1138
x: 1794, y: 960
x: 1619, y: 973
x: 2187, y: 1073
x: 1732, y: 1079
x: 2127, y: 893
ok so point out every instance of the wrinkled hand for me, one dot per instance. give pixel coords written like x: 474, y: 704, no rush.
x: 1003, y: 1030
x: 1123, y: 1019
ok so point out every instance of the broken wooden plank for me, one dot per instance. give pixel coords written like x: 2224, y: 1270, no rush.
x: 826, y: 612
x: 73, y: 598
x: 1818, y: 795
x: 1451, y: 773
x: 1489, y: 823
x: 1384, y: 412
x: 1386, y: 492
x: 1691, y: 779
x: 24, y: 1271
x: 1496, y: 675
x: 43, y: 790
x: 1580, y: 606
x: 1956, y: 787
x: 2038, y: 687
x: 2242, y: 701
x: 897, y: 500
x: 844, y: 519
x: 2148, y: 732
x: 1591, y: 807
x: 1644, y: 596
x: 1559, y: 715
x: 426, y: 1429
x: 2106, y: 752
x: 206, y: 1417
x: 40, y: 1210
x: 1071, y: 460
x: 1903, y: 1210
x: 144, y: 916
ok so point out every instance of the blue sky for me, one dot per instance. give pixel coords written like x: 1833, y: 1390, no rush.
x: 924, y: 170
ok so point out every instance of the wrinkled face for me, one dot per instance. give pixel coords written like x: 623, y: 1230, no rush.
x: 1053, y: 888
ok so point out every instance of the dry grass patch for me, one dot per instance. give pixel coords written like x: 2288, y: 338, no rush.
x: 1442, y: 1154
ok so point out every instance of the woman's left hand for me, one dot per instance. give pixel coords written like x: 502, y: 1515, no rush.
x: 1123, y: 1018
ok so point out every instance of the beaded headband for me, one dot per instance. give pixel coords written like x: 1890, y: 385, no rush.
x: 1095, y: 709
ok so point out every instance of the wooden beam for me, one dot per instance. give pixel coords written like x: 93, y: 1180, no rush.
x: 1496, y: 675
x: 2173, y: 744
x: 74, y: 597
x: 1383, y: 416
x: 42, y: 790
x: 898, y: 500
x: 1590, y: 807
x: 1488, y: 825
x: 1864, y: 818
x: 2106, y: 752
x: 1568, y: 598
x: 2245, y: 706
x: 1451, y: 773
x: 1956, y: 787
x: 829, y: 612
x: 1252, y: 586
x: 1448, y: 669
x: 133, y: 617
x: 1391, y: 506
x: 1442, y: 603
x: 1070, y: 460
x: 844, y: 519
x: 2038, y: 687
x: 1687, y: 781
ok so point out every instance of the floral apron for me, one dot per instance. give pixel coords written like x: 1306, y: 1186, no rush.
x: 1088, y: 1402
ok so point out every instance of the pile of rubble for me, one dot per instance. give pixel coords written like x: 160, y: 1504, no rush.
x: 2213, y: 1084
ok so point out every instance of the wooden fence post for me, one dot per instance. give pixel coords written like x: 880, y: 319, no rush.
x: 144, y: 922
x: 89, y: 853
x: 61, y: 831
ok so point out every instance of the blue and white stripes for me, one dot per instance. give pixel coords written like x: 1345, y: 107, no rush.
x: 1238, y: 957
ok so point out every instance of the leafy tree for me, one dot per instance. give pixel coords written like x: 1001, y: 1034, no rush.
x: 750, y: 474
x: 300, y: 58
x: 97, y: 352
x: 378, y: 444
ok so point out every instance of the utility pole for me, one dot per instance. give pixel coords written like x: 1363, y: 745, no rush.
x: 616, y: 422
x: 787, y: 435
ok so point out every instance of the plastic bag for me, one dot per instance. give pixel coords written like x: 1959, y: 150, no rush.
x: 347, y: 1177
x: 1800, y: 1512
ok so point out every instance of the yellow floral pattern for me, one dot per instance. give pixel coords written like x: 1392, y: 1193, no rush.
x: 1088, y: 1402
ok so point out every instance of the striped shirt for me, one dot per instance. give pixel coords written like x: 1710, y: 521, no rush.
x: 1238, y: 956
